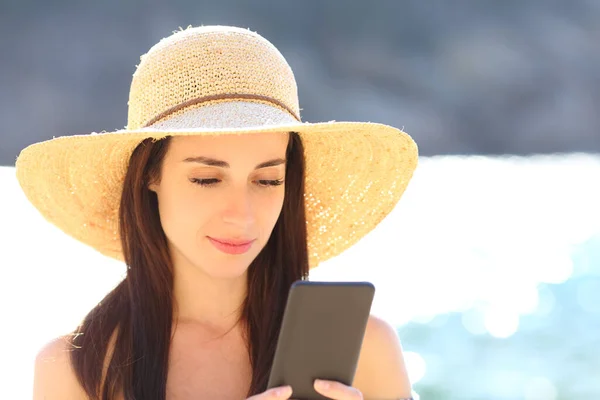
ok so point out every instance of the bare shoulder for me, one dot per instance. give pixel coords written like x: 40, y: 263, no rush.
x: 381, y: 372
x: 54, y: 377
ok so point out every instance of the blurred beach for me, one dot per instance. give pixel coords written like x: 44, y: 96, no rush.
x: 489, y: 267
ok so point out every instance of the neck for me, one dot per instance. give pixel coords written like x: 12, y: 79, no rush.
x: 213, y: 303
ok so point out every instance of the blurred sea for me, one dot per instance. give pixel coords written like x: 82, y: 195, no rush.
x: 489, y: 267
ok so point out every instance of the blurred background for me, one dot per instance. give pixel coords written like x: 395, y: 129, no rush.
x: 489, y: 266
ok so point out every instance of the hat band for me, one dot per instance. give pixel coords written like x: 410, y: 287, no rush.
x: 224, y: 96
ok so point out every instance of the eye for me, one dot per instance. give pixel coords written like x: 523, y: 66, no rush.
x: 205, y: 181
x: 265, y: 182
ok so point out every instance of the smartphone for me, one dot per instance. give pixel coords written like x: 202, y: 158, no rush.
x: 321, y: 335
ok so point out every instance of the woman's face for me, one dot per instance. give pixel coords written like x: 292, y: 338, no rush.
x: 219, y: 198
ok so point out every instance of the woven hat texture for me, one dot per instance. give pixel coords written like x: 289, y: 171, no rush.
x: 218, y: 80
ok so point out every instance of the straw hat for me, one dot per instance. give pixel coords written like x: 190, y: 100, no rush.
x: 217, y: 80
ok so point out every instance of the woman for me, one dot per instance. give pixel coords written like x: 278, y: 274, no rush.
x: 217, y: 198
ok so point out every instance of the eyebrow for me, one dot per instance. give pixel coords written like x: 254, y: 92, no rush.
x: 224, y: 164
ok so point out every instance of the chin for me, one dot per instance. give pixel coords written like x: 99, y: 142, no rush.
x: 228, y: 269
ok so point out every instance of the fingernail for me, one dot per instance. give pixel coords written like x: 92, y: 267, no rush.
x: 283, y: 391
x: 322, y: 384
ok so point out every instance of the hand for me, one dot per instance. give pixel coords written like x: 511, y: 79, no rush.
x: 337, y: 391
x: 278, y: 393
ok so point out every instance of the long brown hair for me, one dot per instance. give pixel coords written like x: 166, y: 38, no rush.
x: 139, y: 310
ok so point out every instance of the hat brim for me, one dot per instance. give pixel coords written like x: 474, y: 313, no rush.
x: 356, y: 172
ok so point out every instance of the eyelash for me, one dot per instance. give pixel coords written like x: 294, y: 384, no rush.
x: 213, y: 181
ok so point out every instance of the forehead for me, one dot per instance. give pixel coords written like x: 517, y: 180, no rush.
x: 230, y: 146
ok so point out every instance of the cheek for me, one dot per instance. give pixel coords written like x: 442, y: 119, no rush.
x: 181, y: 214
x: 270, y: 208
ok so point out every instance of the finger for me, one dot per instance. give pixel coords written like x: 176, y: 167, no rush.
x: 337, y: 390
x: 278, y: 393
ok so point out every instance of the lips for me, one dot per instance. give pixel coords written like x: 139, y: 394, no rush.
x: 232, y: 242
x: 231, y: 246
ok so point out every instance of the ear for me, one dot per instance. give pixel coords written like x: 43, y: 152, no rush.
x: 153, y: 186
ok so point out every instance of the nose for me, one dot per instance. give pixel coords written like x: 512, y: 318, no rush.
x: 239, y: 208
